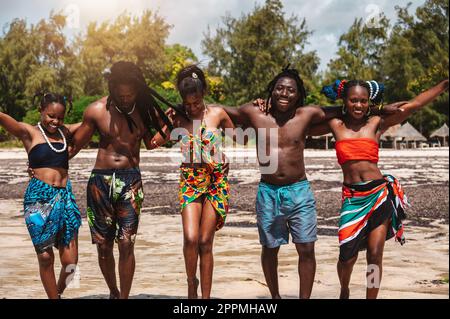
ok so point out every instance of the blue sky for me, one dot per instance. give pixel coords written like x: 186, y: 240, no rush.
x: 190, y: 19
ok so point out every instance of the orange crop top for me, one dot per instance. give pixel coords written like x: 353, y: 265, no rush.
x: 354, y: 149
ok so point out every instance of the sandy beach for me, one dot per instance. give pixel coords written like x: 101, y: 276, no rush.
x: 419, y: 269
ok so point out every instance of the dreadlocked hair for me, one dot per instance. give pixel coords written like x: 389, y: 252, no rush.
x: 129, y: 73
x: 45, y: 99
x: 191, y: 80
x: 339, y: 90
x: 288, y: 73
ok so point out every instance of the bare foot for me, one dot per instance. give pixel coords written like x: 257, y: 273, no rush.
x: 192, y: 288
x: 114, y: 295
x: 345, y: 293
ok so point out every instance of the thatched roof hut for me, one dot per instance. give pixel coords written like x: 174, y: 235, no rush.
x: 441, y: 132
x: 403, y: 134
x: 390, y: 134
x: 410, y: 134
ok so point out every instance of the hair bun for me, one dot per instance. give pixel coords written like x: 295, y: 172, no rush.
x: 329, y: 92
x: 334, y: 91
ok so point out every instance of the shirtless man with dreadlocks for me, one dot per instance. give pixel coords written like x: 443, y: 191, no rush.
x: 285, y: 202
x: 114, y: 190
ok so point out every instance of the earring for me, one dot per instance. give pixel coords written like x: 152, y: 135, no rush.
x: 369, y: 111
x: 344, y: 110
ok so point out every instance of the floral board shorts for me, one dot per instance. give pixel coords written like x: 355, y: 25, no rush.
x: 114, y: 202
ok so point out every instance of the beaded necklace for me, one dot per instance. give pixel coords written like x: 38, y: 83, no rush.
x: 50, y: 144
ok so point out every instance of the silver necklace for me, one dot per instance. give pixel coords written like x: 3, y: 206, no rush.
x: 129, y: 113
x: 50, y: 144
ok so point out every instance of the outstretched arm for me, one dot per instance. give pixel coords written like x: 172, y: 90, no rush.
x: 18, y: 129
x: 230, y: 130
x: 319, y: 129
x: 409, y: 108
x: 73, y: 127
x: 84, y: 132
x: 225, y: 122
x: 239, y: 115
x: 326, y: 113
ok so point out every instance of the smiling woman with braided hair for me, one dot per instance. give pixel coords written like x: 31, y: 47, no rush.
x: 114, y: 193
x: 50, y: 211
x: 372, y: 203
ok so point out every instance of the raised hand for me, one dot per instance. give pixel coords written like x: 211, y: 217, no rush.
x: 261, y: 104
x: 171, y: 114
x: 393, y: 108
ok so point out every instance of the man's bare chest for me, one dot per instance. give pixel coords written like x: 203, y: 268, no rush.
x: 288, y: 135
x: 115, y: 127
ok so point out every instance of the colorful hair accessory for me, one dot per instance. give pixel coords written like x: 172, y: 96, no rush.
x: 329, y: 92
x: 340, y: 89
x: 377, y: 90
x: 369, y: 83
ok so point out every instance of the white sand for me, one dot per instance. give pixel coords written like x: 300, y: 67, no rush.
x: 419, y: 269
x: 408, y: 270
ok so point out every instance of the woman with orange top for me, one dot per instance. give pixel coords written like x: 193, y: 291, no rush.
x: 372, y: 203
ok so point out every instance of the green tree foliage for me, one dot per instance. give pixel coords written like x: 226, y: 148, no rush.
x: 360, y: 49
x: 35, y: 59
x: 408, y: 57
x: 178, y: 57
x: 249, y: 51
x: 17, y: 42
x: 416, y: 58
x: 74, y: 116
x: 137, y: 39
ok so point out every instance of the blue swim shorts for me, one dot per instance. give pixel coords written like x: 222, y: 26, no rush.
x: 285, y: 209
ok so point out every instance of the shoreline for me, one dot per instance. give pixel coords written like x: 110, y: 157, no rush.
x: 19, y: 153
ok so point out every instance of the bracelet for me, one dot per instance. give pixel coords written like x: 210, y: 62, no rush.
x: 379, y: 108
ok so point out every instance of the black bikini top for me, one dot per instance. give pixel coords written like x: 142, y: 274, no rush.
x: 42, y: 156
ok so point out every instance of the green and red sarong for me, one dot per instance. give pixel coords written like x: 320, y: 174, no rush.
x: 367, y: 205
